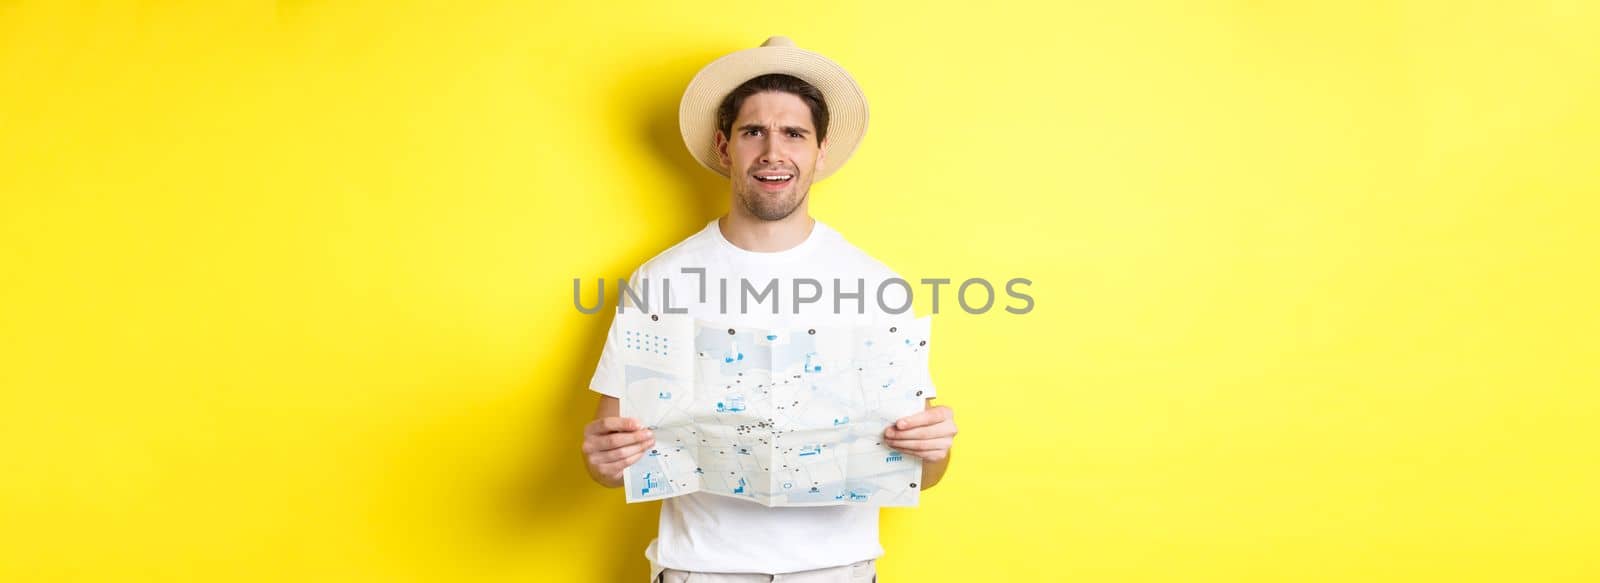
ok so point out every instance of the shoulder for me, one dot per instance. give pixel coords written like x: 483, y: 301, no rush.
x: 689, y: 252
x: 877, y: 280
x: 855, y: 259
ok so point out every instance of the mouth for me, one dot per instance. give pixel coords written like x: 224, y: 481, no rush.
x: 773, y: 180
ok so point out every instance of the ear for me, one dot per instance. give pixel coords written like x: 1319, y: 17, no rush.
x: 722, y: 151
x: 822, y: 153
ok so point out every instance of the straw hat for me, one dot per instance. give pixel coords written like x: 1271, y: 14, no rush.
x: 847, y: 106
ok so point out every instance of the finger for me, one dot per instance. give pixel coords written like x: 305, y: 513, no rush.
x: 928, y: 417
x: 929, y: 455
x: 615, y: 440
x: 621, y: 453
x: 945, y: 429
x: 913, y: 445
x: 615, y: 469
x: 605, y: 425
x: 610, y: 441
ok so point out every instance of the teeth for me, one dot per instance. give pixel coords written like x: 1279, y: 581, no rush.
x: 774, y: 178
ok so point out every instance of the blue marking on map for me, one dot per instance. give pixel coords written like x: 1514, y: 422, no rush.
x: 735, y: 404
x: 635, y: 374
x: 812, y: 367
x: 855, y: 494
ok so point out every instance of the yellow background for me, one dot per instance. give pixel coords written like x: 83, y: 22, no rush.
x: 285, y: 289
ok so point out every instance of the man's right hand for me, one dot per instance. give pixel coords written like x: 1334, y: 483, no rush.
x: 611, y: 444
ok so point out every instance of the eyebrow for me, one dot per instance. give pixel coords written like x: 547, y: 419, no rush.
x: 755, y: 126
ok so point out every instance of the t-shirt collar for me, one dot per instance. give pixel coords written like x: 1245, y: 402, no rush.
x: 743, y: 255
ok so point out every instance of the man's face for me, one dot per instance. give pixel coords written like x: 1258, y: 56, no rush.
x: 772, y: 155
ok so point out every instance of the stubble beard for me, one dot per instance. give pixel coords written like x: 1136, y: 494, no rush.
x: 773, y: 207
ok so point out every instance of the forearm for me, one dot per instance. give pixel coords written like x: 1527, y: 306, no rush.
x: 932, y: 472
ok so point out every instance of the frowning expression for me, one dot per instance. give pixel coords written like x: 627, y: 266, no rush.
x: 773, y: 154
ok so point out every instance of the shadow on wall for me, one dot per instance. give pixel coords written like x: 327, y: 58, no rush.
x: 704, y: 193
x: 548, y: 497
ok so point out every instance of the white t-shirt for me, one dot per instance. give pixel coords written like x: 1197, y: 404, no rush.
x: 706, y: 532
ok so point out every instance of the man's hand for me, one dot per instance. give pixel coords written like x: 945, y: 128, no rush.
x: 927, y: 435
x: 611, y: 444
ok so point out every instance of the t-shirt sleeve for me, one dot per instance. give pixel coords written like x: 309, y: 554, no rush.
x: 608, y: 376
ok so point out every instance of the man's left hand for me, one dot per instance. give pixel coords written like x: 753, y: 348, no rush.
x: 927, y: 435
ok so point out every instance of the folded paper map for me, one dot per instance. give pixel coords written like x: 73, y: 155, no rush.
x: 781, y: 417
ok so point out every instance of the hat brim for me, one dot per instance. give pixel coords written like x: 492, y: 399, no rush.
x: 847, y: 106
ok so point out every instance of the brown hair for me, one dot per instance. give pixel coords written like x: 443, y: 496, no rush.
x: 780, y: 82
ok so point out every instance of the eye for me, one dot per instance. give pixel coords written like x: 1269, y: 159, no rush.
x: 752, y: 131
x: 794, y: 134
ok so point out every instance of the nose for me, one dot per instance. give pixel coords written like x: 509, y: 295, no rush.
x: 769, y: 151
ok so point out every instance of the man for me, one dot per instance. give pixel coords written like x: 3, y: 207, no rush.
x: 773, y: 120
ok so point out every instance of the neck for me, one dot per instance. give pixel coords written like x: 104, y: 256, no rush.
x: 752, y: 234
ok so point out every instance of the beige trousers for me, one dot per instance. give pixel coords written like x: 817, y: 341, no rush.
x: 859, y: 572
